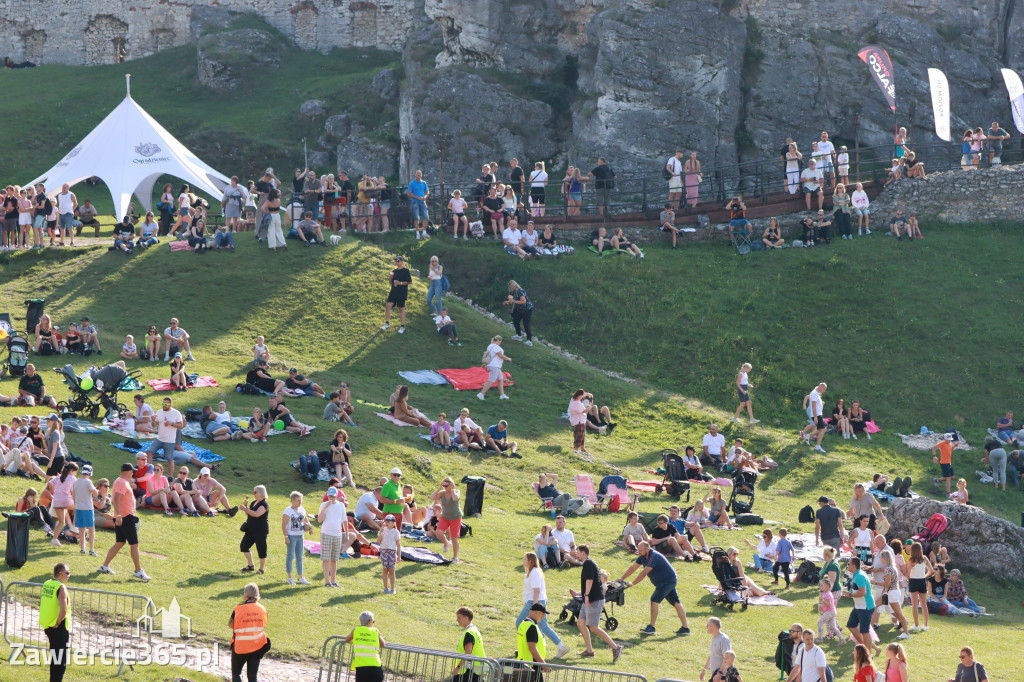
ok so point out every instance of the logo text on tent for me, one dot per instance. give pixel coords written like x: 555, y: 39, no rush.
x: 147, y: 149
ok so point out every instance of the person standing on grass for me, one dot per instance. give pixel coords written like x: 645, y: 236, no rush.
x: 55, y: 620
x: 249, y: 642
x: 578, y: 421
x: 944, y: 458
x: 720, y: 643
x: 494, y: 358
x: 294, y: 525
x: 808, y: 661
x: 257, y: 528
x: 859, y: 590
x: 400, y: 279
x: 390, y: 539
x: 85, y: 493
x: 664, y: 579
x: 471, y: 643
x: 589, y: 620
x: 743, y: 391
x: 969, y: 670
x: 126, y: 524
x: 815, y: 405
x: 535, y: 594
x: 331, y: 517
x: 451, y: 515
x: 783, y: 557
x: 522, y: 312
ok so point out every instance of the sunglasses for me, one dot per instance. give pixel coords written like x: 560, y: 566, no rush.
x: 963, y: 656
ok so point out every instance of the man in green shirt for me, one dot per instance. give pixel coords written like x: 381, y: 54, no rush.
x: 391, y: 497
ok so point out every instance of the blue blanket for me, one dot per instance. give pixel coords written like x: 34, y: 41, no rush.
x: 423, y: 376
x: 199, y: 453
x: 882, y: 495
x: 79, y: 426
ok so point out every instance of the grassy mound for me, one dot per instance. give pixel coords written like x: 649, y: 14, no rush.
x: 321, y: 309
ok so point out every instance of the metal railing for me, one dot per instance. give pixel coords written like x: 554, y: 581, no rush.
x: 406, y: 663
x: 335, y: 659
x: 102, y: 621
x: 521, y: 671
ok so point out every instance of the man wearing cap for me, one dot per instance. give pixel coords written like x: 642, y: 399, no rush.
x: 32, y: 390
x: 261, y: 379
x: 85, y: 493
x: 126, y: 523
x: 391, y: 497
x: 55, y: 619
x: 530, y: 643
x: 400, y: 279
x: 89, y: 335
x: 664, y: 579
x: 297, y: 382
x: 332, y: 519
x: 177, y: 339
x: 828, y: 525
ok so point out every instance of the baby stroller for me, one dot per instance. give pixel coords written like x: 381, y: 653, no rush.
x: 729, y: 580
x: 80, y: 402
x: 17, y: 355
x: 108, y: 381
x: 741, y: 501
x: 675, y: 482
x: 927, y: 534
x: 614, y: 595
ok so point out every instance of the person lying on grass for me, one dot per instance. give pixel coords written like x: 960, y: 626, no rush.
x: 278, y: 412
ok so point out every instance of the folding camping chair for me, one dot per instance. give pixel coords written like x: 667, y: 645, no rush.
x: 741, y: 236
x: 545, y: 502
x: 585, y: 491
x: 626, y: 500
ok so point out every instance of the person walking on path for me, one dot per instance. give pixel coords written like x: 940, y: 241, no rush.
x: 400, y: 279
x: 592, y: 590
x: 522, y: 312
x: 471, y: 643
x: 249, y: 642
x: 720, y: 643
x: 451, y: 515
x: 494, y: 358
x: 535, y: 594
x: 366, y: 644
x: 664, y: 579
x: 743, y: 391
x: 530, y: 643
x: 55, y: 620
x: 126, y: 523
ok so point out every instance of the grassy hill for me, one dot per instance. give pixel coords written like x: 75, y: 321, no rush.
x: 321, y: 309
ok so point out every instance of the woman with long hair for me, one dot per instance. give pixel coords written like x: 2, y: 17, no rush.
x: 896, y: 663
x: 841, y: 418
x: 256, y: 528
x: 26, y: 504
x: 892, y: 593
x: 404, y: 412
x: 793, y: 157
x: 272, y: 207
x: 691, y: 169
x: 919, y: 570
x: 435, y: 291
x: 184, y: 204
x: 737, y: 563
x: 63, y: 499
x: 44, y: 334
x: 863, y: 666
x: 535, y: 592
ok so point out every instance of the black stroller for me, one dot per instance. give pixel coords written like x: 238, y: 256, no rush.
x: 733, y: 592
x: 107, y: 380
x: 614, y: 595
x: 741, y: 501
x: 675, y: 482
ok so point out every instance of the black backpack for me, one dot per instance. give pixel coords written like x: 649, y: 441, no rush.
x: 806, y: 515
x: 193, y: 414
x: 465, y: 530
x: 666, y: 173
x: 808, y: 573
x: 247, y: 389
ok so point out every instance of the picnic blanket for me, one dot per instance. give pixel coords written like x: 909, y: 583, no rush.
x: 193, y: 430
x: 130, y: 384
x: 420, y: 555
x: 920, y: 441
x: 995, y: 434
x: 471, y: 378
x: 803, y: 548
x: 882, y: 495
x: 124, y: 433
x: 80, y: 426
x: 391, y: 418
x: 766, y: 600
x: 423, y: 376
x: 202, y: 454
x: 720, y: 482
x: 166, y: 385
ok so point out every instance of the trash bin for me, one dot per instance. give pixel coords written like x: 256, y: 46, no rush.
x: 17, y: 539
x: 474, y: 503
x: 33, y: 313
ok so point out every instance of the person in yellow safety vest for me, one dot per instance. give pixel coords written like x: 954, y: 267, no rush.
x: 55, y: 619
x: 530, y: 643
x: 366, y: 645
x: 471, y: 644
x: 249, y: 641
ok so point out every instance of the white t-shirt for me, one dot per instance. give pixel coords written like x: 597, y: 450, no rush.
x: 442, y: 320
x: 149, y: 228
x: 809, y: 662
x: 458, y: 205
x: 64, y: 203
x: 538, y: 178
x: 713, y: 443
x: 815, y: 403
x: 495, y: 361
x: 674, y: 165
x: 766, y: 551
x: 83, y: 490
x: 467, y: 422
x: 144, y: 411
x: 744, y: 380
x: 164, y: 432
x: 564, y: 537
x: 843, y: 159
x: 812, y: 178
x: 529, y: 238
x: 296, y: 519
x: 366, y: 504
x: 513, y: 237
x: 860, y: 199
x: 534, y: 581
x: 825, y: 151
x: 223, y: 417
x: 334, y: 517
x: 174, y: 333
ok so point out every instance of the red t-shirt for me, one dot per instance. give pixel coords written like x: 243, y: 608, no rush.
x: 127, y: 501
x: 865, y: 674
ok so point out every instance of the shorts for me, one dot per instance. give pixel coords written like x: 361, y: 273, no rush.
x: 183, y: 212
x: 819, y: 422
x: 947, y: 470
x: 166, y: 448
x: 10, y: 224
x: 330, y: 547
x: 895, y: 596
x: 743, y: 394
x: 454, y: 526
x: 397, y: 299
x: 55, y: 468
x: 675, y: 182
x: 812, y: 191
x: 510, y: 250
x: 860, y: 619
x: 389, y: 558
x: 861, y: 211
x: 148, y: 501
x: 844, y: 169
x: 603, y: 195
x: 576, y: 196
x: 537, y: 195
x: 834, y: 543
x: 128, y: 531
x: 419, y: 210
x: 918, y: 586
x: 24, y: 218
x: 84, y: 518
x: 591, y: 615
x: 39, y: 221
x: 493, y: 375
x: 825, y: 166
x: 665, y: 592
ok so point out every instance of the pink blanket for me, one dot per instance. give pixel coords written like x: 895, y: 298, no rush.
x: 166, y: 385
x: 392, y: 419
x: 471, y: 378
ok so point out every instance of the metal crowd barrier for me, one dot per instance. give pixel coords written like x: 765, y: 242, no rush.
x: 405, y: 663
x: 520, y: 671
x: 101, y: 621
x: 335, y: 658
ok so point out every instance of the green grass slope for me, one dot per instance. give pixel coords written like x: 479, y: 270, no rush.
x: 320, y: 310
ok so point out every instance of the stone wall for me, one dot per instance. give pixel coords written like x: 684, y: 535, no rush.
x: 956, y: 196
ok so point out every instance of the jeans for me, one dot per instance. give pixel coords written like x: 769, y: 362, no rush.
x: 968, y: 605
x: 435, y: 292
x: 567, y: 502
x: 542, y: 625
x: 224, y: 239
x: 293, y: 549
x: 450, y: 331
x: 147, y: 241
x: 763, y: 564
x: 549, y: 555
x: 1014, y: 474
x: 522, y: 317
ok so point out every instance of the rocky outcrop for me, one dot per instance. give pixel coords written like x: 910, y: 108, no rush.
x: 226, y: 58
x: 385, y: 84
x: 358, y: 156
x: 956, y: 196
x: 983, y: 542
x: 313, y: 108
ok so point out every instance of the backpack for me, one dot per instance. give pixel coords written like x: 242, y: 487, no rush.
x: 466, y: 530
x: 193, y: 414
x: 247, y: 389
x: 806, y: 515
x: 807, y: 573
x: 666, y: 173
x: 445, y: 284
x: 486, y: 357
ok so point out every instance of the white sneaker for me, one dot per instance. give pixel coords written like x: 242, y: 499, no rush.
x: 517, y: 337
x: 290, y: 581
x: 503, y: 397
x: 107, y: 569
x: 141, y: 575
x: 401, y: 330
x: 924, y: 628
x: 167, y: 357
x: 190, y: 358
x: 903, y: 635
x: 384, y: 327
x: 867, y: 231
x: 563, y: 651
x: 735, y: 420
x: 755, y: 421
x: 603, y: 430
x: 55, y: 542
x: 854, y: 436
x: 527, y: 343
x: 915, y: 629
x: 480, y: 396
x: 303, y: 581
x: 818, y: 448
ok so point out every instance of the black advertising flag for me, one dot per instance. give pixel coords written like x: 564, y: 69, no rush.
x: 878, y: 61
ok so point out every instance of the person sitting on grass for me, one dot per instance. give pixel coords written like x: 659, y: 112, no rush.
x: 858, y: 420
x: 260, y: 350
x: 737, y: 564
x: 144, y: 416
x: 341, y: 454
x: 159, y: 492
x: 178, y: 377
x: 696, y: 519
x: 445, y: 326
x: 497, y: 439
x: 309, y: 230
x: 278, y: 412
x: 621, y: 244
x: 20, y: 463
x: 898, y: 224
x: 32, y: 389
x: 404, y: 412
x: 27, y: 504
x: 667, y: 221
x: 192, y: 501
x: 772, y: 235
x: 633, y: 533
x: 1005, y: 429
x: 913, y: 229
x: 956, y: 593
x: 718, y: 508
x: 548, y: 243
x: 599, y: 238
x: 213, y: 493
x: 261, y: 379
x: 124, y: 236
x: 692, y: 468
x: 334, y: 411
x: 297, y: 382
x: 214, y: 429
x: 441, y: 432
x: 467, y: 432
x: 665, y: 538
x: 512, y: 239
x: 129, y: 351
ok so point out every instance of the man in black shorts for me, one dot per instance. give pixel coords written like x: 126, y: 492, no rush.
x: 126, y: 524
x: 261, y: 379
x: 400, y: 279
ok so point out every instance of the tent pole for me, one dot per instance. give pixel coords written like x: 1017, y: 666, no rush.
x: 128, y: 84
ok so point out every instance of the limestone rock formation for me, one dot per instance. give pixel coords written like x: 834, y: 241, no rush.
x: 313, y: 108
x: 385, y: 84
x: 358, y: 155
x: 983, y: 542
x: 225, y: 59
x: 952, y: 196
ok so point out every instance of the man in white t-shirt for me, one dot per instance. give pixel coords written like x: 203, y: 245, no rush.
x: 712, y: 446
x: 368, y: 509
x: 177, y: 339
x: 812, y: 177
x: 332, y: 529
x: 67, y: 204
x: 169, y: 423
x: 496, y: 358
x: 808, y: 661
x: 826, y: 154
x: 815, y: 406
x: 566, y: 542
x: 467, y: 431
x: 443, y: 323
x: 675, y: 183
x: 511, y: 237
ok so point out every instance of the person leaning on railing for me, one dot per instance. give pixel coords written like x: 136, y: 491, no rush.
x: 366, y: 643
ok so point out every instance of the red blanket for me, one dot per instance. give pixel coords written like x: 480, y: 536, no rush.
x: 166, y: 385
x: 470, y: 379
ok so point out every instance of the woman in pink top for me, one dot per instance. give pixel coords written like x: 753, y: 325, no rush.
x: 160, y: 492
x: 895, y: 663
x: 578, y: 420
x: 441, y: 432
x: 63, y: 499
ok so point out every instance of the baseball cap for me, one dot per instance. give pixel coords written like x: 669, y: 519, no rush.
x: 127, y: 467
x: 390, y: 517
x: 205, y: 471
x: 537, y: 606
x: 396, y: 470
x: 332, y: 492
x: 293, y: 371
x: 87, y: 470
x: 52, y: 416
x: 140, y: 455
x: 823, y: 499
x: 401, y: 258
x: 177, y: 355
